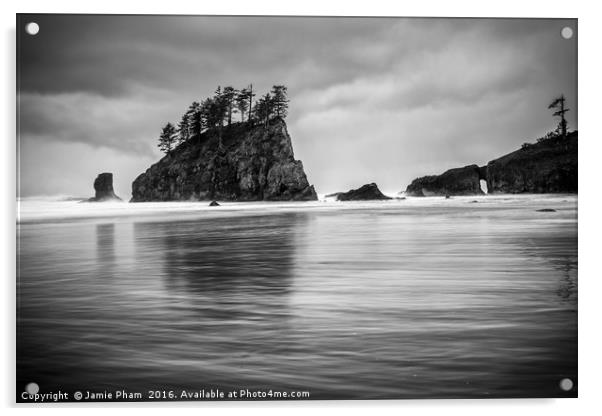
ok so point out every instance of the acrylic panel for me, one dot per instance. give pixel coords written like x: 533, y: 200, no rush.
x: 295, y: 208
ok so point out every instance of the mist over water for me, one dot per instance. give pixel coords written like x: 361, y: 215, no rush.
x: 399, y: 299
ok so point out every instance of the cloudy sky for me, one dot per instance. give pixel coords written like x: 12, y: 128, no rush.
x: 372, y: 99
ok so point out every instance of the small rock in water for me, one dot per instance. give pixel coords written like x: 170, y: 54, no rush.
x: 546, y: 210
x: 214, y: 204
x: 447, y: 197
x: 474, y: 201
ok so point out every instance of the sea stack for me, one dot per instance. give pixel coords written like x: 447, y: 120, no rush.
x: 103, y: 185
x: 365, y: 193
x: 240, y: 162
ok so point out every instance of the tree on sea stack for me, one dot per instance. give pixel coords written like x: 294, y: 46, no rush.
x: 205, y: 113
x: 218, y: 111
x: 242, y: 103
x: 264, y: 108
x: 250, y: 94
x: 213, y: 112
x: 183, y: 129
x: 193, y: 117
x: 228, y: 97
x: 558, y: 103
x: 167, y: 139
x: 280, y: 101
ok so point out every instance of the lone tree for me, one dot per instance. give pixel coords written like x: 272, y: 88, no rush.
x: 167, y: 139
x: 558, y: 104
x: 280, y: 101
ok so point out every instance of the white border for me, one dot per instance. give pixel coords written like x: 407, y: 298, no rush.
x: 590, y: 97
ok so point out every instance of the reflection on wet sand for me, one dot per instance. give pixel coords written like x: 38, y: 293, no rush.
x: 559, y: 250
x: 228, y: 266
x: 567, y: 287
x: 105, y: 244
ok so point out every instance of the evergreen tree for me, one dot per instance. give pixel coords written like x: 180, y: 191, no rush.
x: 205, y: 110
x: 219, y: 108
x: 183, y: 129
x: 280, y: 101
x: 195, y: 122
x: 212, y: 113
x: 250, y: 95
x: 559, y: 104
x: 258, y: 110
x: 264, y: 109
x: 217, y: 111
x: 228, y: 98
x: 167, y: 138
x: 242, y: 103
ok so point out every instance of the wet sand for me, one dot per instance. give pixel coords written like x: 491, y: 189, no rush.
x: 404, y: 299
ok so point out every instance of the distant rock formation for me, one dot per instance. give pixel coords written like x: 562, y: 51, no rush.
x: 253, y: 163
x: 549, y: 166
x: 459, y: 181
x: 103, y: 185
x: 365, y: 193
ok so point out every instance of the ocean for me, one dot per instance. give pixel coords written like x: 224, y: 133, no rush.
x: 415, y: 298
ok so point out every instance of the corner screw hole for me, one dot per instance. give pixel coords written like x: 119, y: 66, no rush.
x: 566, y: 384
x: 32, y: 28
x: 566, y: 32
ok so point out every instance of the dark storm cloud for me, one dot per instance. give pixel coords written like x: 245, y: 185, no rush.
x: 109, y: 54
x: 372, y: 99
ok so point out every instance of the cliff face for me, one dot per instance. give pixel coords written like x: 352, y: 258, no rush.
x: 253, y: 164
x: 546, y: 167
x: 459, y: 181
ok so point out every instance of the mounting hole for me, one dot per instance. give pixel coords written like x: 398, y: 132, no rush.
x: 32, y: 28
x: 566, y: 32
x: 32, y: 388
x: 566, y: 384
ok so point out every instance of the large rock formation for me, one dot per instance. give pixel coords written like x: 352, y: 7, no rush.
x: 546, y: 167
x: 103, y: 185
x: 252, y: 163
x: 459, y: 181
x: 365, y: 193
x: 549, y: 166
